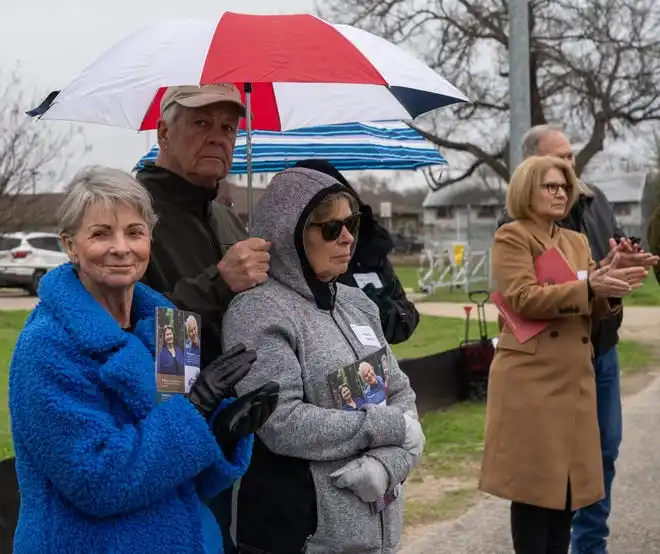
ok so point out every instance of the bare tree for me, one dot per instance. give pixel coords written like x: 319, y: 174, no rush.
x: 33, y: 157
x: 594, y: 67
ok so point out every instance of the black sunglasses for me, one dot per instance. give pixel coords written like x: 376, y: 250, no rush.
x: 331, y: 230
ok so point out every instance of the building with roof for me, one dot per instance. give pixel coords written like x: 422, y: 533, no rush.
x: 464, y: 212
x: 625, y: 192
x: 468, y: 211
x: 37, y: 212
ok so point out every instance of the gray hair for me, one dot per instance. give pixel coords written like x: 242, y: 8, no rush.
x: 171, y: 113
x: 98, y: 184
x: 191, y: 319
x: 363, y: 367
x: 531, y: 139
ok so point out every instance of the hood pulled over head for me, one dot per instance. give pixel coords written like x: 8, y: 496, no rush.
x: 375, y: 242
x: 280, y: 216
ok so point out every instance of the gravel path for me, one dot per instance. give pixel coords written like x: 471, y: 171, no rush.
x: 635, y: 521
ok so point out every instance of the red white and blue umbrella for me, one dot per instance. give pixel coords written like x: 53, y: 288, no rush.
x: 303, y: 72
x: 295, y: 71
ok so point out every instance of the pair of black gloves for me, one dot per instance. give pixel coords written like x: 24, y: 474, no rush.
x: 246, y: 414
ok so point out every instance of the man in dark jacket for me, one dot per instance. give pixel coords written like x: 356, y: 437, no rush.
x: 200, y: 256
x: 653, y: 237
x: 592, y: 215
x: 398, y: 316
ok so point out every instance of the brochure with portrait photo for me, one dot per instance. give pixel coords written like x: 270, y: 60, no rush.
x: 178, y: 348
x: 362, y: 382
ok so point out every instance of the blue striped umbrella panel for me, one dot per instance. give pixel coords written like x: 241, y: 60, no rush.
x: 349, y: 147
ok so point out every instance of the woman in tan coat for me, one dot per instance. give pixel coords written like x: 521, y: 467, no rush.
x: 542, y: 446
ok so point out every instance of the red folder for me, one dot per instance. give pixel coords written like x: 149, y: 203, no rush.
x: 552, y: 268
x: 522, y: 328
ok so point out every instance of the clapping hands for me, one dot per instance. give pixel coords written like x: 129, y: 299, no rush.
x: 630, y: 254
x: 614, y: 281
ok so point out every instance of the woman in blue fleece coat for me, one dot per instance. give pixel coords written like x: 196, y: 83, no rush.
x: 103, y: 467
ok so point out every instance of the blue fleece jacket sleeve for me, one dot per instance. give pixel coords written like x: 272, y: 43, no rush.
x: 101, y: 466
x: 224, y: 473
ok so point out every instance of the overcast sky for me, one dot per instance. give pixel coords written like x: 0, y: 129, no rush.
x: 55, y: 40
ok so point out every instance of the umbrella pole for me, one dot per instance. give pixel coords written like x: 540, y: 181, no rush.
x: 248, y: 151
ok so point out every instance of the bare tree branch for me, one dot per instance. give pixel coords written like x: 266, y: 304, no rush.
x: 594, y: 66
x: 33, y: 157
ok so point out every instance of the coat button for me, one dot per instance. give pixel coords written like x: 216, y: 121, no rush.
x: 554, y: 334
x: 585, y: 340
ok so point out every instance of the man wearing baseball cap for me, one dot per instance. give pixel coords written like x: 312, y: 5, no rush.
x: 200, y: 256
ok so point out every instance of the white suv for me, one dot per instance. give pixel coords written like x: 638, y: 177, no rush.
x: 26, y: 257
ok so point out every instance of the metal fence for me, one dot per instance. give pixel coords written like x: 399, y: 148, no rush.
x: 459, y: 257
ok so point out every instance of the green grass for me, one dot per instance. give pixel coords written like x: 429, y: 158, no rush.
x: 443, y: 485
x: 10, y: 325
x: 449, y: 504
x: 648, y: 295
x: 437, y: 334
x: 454, y: 439
x: 635, y: 356
x: 408, y: 276
x: 445, y: 294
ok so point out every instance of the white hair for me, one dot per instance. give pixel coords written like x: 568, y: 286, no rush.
x: 171, y: 113
x: 191, y: 319
x: 98, y: 184
x: 531, y: 139
x: 362, y: 368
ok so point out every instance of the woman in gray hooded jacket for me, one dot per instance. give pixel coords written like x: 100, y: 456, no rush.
x: 322, y: 479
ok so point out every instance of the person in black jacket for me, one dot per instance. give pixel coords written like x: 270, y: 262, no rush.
x: 592, y: 215
x: 201, y: 256
x: 398, y: 316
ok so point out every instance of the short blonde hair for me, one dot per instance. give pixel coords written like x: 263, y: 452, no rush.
x: 528, y: 177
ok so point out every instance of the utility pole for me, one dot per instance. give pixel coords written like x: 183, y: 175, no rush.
x: 519, y: 100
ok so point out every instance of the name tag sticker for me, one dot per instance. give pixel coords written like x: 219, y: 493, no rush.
x: 582, y: 275
x: 365, y: 335
x: 364, y: 279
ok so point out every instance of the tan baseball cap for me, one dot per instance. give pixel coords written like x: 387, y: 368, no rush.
x: 205, y: 95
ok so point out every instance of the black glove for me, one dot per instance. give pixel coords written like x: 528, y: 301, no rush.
x: 217, y: 380
x: 371, y: 291
x: 244, y: 416
x: 381, y: 297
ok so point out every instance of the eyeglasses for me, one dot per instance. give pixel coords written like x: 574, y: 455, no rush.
x: 553, y: 188
x: 331, y: 230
